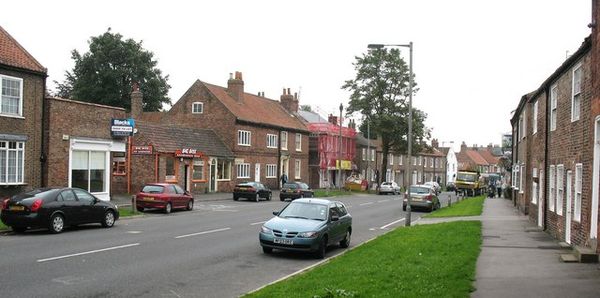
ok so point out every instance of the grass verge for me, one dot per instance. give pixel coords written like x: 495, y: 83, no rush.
x: 466, y: 207
x: 125, y: 211
x: 323, y: 193
x: 421, y: 261
x: 3, y: 227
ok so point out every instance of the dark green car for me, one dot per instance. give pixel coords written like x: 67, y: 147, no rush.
x: 307, y: 225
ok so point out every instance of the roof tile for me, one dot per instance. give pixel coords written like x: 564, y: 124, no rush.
x: 13, y: 54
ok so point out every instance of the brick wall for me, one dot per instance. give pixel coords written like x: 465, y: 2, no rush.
x: 536, y: 157
x: 31, y: 126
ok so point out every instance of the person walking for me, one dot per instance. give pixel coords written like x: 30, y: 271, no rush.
x: 283, y: 179
x: 499, y: 187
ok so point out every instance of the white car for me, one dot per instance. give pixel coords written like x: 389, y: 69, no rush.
x: 389, y: 187
x: 435, y: 186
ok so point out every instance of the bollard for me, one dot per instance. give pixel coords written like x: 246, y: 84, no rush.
x: 449, y: 200
x: 133, y: 204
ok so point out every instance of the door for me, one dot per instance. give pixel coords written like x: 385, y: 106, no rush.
x: 68, y: 205
x: 186, y: 177
x: 569, y: 215
x: 257, y: 172
x: 86, y: 209
x: 212, y: 187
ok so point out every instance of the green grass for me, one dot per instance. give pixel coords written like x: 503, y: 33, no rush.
x: 466, y: 207
x: 3, y: 227
x: 126, y: 211
x: 421, y: 261
x: 322, y: 193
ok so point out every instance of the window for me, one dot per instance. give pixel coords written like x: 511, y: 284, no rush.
x: 197, y: 108
x: 12, y: 155
x: 364, y: 154
x: 198, y: 170
x: 83, y: 196
x: 400, y: 159
x: 119, y: 168
x: 535, y: 116
x: 271, y: 141
x: 67, y: 196
x: 224, y: 170
x: 560, y: 172
x: 414, y: 160
x: 420, y: 160
x: 170, y: 172
x: 298, y: 142
x: 553, y: 103
x: 578, y: 175
x: 391, y: 158
x: 431, y: 162
x: 515, y: 180
x: 271, y: 171
x: 552, y: 191
x: 541, y: 186
x: 88, y: 169
x: 243, y: 170
x: 534, y: 187
x: 11, y: 97
x: 244, y: 138
x: 284, y: 136
x: 521, y: 185
x: 372, y: 154
x: 569, y: 190
x: 576, y: 93
x: 297, y: 169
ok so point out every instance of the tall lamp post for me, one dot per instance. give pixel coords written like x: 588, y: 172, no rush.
x: 410, y: 91
x: 340, y: 152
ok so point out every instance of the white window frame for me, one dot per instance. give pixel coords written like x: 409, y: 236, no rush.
x: 20, y: 155
x: 401, y: 157
x: 372, y: 154
x: 534, y: 121
x: 431, y: 162
x: 553, y: 107
x: 560, y: 187
x: 576, y: 93
x: 243, y: 170
x: 20, y: 112
x: 284, y: 140
x: 297, y: 169
x: 577, y: 199
x: 271, y: 171
x: 244, y: 138
x: 552, y: 190
x: 364, y: 153
x: 569, y: 189
x: 391, y: 159
x: 197, y: 104
x: 299, y: 142
x: 521, y: 174
x: 420, y: 160
x: 534, y: 186
x: 271, y: 141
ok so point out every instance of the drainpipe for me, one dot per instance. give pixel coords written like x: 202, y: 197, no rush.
x: 43, y: 134
x: 279, y: 168
x: 546, y: 143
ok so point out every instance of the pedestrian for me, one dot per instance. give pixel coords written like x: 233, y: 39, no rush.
x: 283, y: 179
x: 499, y: 187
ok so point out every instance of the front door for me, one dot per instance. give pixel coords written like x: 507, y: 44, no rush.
x: 186, y: 177
x: 568, y: 215
x: 257, y: 172
x: 212, y: 187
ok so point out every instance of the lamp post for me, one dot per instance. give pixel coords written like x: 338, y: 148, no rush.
x: 410, y: 91
x: 368, y: 153
x: 340, y: 152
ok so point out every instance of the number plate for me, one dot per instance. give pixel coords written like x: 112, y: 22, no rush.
x: 149, y: 198
x: 16, y: 208
x: 283, y: 241
x: 417, y: 199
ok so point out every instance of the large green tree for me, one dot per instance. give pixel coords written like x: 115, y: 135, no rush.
x: 106, y: 73
x: 380, y: 93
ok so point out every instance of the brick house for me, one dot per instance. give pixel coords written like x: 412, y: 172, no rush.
x: 22, y: 89
x: 265, y: 136
x: 367, y: 157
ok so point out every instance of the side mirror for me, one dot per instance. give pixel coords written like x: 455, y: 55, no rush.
x: 335, y: 217
x: 275, y: 212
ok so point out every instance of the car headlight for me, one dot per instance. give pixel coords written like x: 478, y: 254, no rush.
x: 265, y: 230
x: 311, y: 234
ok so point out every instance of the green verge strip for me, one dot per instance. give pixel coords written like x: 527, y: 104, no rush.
x: 466, y: 207
x: 126, y: 212
x: 323, y: 193
x: 3, y: 227
x: 435, y: 260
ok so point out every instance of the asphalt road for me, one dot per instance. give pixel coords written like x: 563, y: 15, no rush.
x: 212, y: 251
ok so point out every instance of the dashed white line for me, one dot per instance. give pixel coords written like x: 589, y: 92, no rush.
x: 364, y: 204
x: 382, y: 201
x: 225, y: 210
x: 258, y: 223
x: 202, y: 233
x: 87, y: 252
x: 393, y: 222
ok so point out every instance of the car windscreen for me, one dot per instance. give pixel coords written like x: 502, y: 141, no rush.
x: 290, y: 185
x: 419, y: 190
x: 304, y: 210
x: 466, y: 177
x: 386, y: 183
x: 153, y: 189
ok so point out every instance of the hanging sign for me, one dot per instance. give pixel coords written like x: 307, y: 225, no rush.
x: 141, y: 150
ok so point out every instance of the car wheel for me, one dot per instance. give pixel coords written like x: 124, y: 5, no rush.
x: 257, y: 198
x: 19, y: 230
x: 168, y: 208
x: 190, y: 205
x: 346, y: 241
x: 140, y: 209
x: 57, y: 223
x: 109, y: 219
x: 320, y: 253
x: 270, y: 196
x: 267, y: 250
x: 235, y: 198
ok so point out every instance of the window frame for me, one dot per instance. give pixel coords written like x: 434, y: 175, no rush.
x: 297, y: 169
x: 226, y: 164
x: 19, y: 148
x: 21, y: 97
x: 577, y: 200
x: 272, y: 140
x: 244, y: 135
x: 553, y: 107
x: 204, y: 168
x: 534, y: 186
x: 560, y: 177
x: 552, y: 190
x: 284, y: 140
x: 298, y: 142
x: 195, y: 104
x: 521, y: 175
x: 534, y: 122
x: 241, y: 168
x: 273, y: 168
x: 576, y: 94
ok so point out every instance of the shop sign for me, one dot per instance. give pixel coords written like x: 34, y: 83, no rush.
x: 121, y: 127
x: 141, y: 150
x: 346, y: 164
x: 188, y: 153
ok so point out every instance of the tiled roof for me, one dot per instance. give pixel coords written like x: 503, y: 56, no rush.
x: 13, y: 54
x: 489, y: 157
x: 476, y: 157
x: 257, y: 109
x: 170, y: 138
x: 312, y: 117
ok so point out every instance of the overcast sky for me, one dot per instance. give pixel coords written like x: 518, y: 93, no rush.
x: 473, y: 60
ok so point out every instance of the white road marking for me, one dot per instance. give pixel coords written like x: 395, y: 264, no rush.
x: 87, y: 252
x: 134, y: 232
x: 258, y: 223
x: 364, y: 204
x: 393, y: 222
x: 225, y: 210
x: 383, y: 201
x: 372, y: 229
x: 202, y: 233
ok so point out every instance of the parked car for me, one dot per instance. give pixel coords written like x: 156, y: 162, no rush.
x: 252, y: 191
x: 422, y: 197
x: 295, y: 190
x: 436, y: 186
x: 307, y: 225
x: 450, y: 186
x: 56, y: 208
x: 164, y: 196
x: 389, y: 187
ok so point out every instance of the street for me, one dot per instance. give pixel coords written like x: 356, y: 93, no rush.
x: 212, y: 251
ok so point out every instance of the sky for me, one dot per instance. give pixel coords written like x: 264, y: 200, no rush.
x: 472, y: 59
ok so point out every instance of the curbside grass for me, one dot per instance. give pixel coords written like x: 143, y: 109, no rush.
x: 466, y: 207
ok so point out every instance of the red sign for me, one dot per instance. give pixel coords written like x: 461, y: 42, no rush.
x: 188, y: 153
x: 141, y: 150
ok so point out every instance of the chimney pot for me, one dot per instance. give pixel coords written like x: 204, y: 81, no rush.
x: 235, y: 86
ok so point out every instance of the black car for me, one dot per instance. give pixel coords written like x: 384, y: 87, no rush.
x: 252, y: 191
x: 295, y: 190
x: 56, y: 208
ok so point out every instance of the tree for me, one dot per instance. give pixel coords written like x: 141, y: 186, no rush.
x: 306, y: 108
x: 380, y: 93
x: 106, y: 73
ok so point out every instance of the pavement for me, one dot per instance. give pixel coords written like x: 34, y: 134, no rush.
x: 517, y: 259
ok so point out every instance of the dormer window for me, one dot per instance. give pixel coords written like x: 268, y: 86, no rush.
x: 197, y: 108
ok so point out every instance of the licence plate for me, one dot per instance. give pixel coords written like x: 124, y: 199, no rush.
x: 149, y: 198
x: 16, y: 208
x: 283, y: 241
x: 417, y: 199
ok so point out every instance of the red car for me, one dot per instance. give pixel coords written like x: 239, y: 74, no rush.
x: 163, y: 196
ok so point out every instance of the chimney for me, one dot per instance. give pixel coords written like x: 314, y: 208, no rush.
x: 332, y: 119
x: 235, y: 86
x: 136, y: 101
x: 463, y: 147
x: 288, y: 101
x: 434, y: 143
x: 490, y: 146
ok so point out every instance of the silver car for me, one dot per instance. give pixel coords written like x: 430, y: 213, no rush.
x: 389, y: 187
x: 422, y: 197
x: 435, y: 186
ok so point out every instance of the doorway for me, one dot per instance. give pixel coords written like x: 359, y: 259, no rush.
x: 212, y: 185
x: 257, y: 172
x: 186, y: 177
x: 568, y: 216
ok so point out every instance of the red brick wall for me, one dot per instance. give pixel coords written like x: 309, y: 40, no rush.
x: 535, y: 156
x: 31, y: 126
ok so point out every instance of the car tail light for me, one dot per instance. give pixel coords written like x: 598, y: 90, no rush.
x: 252, y: 189
x: 298, y: 191
x: 429, y: 198
x: 36, y: 205
x: 5, y: 203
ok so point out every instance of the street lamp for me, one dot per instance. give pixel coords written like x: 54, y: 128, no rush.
x: 410, y: 87
x: 340, y: 152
